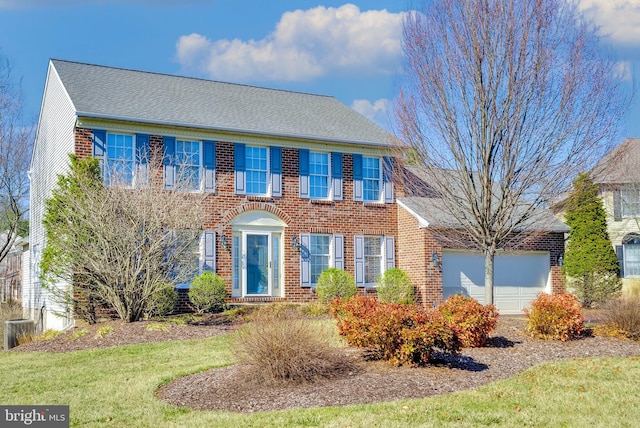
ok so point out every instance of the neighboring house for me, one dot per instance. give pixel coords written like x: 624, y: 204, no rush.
x: 618, y: 178
x: 293, y: 183
x: 11, y: 271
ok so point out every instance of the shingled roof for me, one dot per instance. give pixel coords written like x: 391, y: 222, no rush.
x: 620, y: 165
x: 139, y: 96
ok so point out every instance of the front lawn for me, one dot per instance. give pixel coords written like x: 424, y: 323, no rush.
x: 115, y: 387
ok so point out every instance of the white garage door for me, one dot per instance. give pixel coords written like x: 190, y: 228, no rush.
x: 518, y: 278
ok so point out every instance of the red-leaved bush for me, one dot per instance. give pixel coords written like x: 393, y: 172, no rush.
x: 471, y: 321
x: 399, y: 334
x: 555, y: 316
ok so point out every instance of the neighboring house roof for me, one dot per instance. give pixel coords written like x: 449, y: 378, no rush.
x: 129, y: 95
x: 620, y: 165
x: 432, y: 212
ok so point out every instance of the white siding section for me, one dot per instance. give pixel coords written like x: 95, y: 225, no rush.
x: 54, y: 141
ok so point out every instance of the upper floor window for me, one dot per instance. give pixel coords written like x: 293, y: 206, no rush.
x: 118, y: 164
x: 189, y: 165
x: 371, y: 178
x: 319, y: 175
x: 257, y: 170
x: 630, y: 202
x: 188, y: 162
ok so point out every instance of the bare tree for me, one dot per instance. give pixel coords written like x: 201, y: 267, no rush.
x: 15, y: 154
x: 515, y: 98
x: 118, y: 246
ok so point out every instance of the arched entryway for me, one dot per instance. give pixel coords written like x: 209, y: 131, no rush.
x: 257, y: 254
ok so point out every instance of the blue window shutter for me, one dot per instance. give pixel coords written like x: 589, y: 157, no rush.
x: 169, y: 147
x: 99, y: 142
x: 357, y: 178
x: 336, y: 175
x: 239, y: 168
x: 208, y: 251
x: 305, y: 262
x: 276, y: 171
x: 143, y: 150
x: 358, y: 252
x: 209, y: 165
x: 303, y: 159
x: 389, y: 252
x: 338, y: 251
x: 387, y: 178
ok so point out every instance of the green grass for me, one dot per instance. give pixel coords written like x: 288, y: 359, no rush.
x: 115, y: 387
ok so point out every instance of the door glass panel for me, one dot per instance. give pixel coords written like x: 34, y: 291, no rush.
x: 257, y: 264
x: 275, y: 242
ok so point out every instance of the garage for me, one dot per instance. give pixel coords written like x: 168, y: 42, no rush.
x: 518, y: 277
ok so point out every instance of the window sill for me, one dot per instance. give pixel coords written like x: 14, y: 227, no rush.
x: 322, y: 201
x: 374, y: 203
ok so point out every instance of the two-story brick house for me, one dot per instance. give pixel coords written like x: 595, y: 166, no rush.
x: 292, y: 183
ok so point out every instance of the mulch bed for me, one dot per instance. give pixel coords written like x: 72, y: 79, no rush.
x: 508, y: 352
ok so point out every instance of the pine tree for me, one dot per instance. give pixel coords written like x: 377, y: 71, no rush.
x: 590, y: 263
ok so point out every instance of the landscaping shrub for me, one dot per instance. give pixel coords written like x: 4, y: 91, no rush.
x: 396, y: 287
x: 398, y: 334
x: 335, y: 283
x: 472, y: 321
x: 623, y: 314
x: 282, y: 348
x: 555, y: 316
x: 208, y: 292
x: 163, y: 301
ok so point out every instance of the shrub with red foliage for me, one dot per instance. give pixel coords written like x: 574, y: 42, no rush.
x: 555, y: 316
x: 399, y: 334
x: 472, y: 321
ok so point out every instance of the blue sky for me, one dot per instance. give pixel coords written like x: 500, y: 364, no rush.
x: 350, y: 50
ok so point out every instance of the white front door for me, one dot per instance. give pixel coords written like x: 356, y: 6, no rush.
x: 258, y: 267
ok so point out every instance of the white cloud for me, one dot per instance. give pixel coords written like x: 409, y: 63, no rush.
x: 378, y: 111
x: 304, y: 45
x: 617, y: 18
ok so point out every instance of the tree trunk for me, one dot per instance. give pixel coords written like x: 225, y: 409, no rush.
x: 488, y: 277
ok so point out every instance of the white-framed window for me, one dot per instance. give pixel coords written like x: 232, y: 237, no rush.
x: 630, y: 202
x: 319, y: 255
x: 371, y: 179
x: 189, y: 164
x: 374, y: 254
x: 199, y: 257
x: 318, y: 252
x: 373, y: 264
x: 118, y: 164
x: 257, y: 170
x: 319, y: 178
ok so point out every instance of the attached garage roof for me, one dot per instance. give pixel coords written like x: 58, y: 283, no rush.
x: 138, y: 96
x: 432, y: 212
